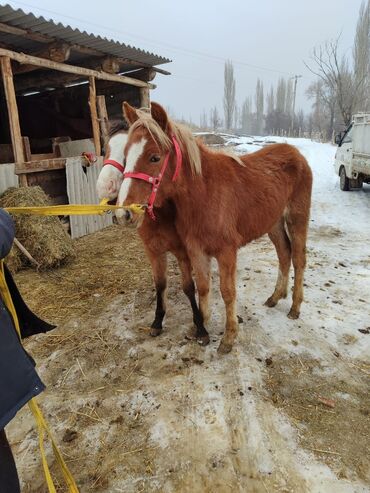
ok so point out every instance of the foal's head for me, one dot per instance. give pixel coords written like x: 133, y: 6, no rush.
x: 154, y: 153
x: 111, y: 176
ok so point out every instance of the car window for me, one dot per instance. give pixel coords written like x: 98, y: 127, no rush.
x: 348, y: 137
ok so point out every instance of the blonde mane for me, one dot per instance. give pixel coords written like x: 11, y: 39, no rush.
x: 185, y: 138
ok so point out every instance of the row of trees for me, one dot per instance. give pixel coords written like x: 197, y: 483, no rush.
x: 342, y: 88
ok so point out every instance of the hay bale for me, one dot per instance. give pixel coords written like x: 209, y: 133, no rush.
x: 44, y: 237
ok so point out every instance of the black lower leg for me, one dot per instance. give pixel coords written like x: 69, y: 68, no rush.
x: 156, y: 327
x: 9, y: 482
x: 201, y: 333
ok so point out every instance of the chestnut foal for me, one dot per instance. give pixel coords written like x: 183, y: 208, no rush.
x: 222, y: 202
x: 159, y: 237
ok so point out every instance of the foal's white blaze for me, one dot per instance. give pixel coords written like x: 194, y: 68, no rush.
x: 133, y: 156
x: 110, y: 178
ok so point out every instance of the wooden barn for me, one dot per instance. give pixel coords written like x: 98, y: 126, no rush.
x: 59, y: 88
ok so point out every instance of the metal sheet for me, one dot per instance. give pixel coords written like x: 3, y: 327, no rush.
x: 18, y: 18
x: 8, y: 178
x: 81, y: 183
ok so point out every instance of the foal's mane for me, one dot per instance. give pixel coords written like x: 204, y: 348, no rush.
x: 183, y: 135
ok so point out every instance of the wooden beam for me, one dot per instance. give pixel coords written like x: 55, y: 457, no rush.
x: 103, y: 117
x: 71, y: 69
x: 37, y: 81
x: 111, y: 65
x: 24, y: 33
x: 58, y: 52
x: 94, y: 116
x: 11, y: 101
x: 43, y: 165
x: 147, y: 74
x: 144, y: 97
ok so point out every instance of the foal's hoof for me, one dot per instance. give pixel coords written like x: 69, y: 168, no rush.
x: 270, y: 302
x: 191, y: 334
x: 293, y: 314
x: 155, y: 332
x: 203, y: 340
x: 224, y: 347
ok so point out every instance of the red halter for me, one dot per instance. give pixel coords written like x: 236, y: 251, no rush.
x: 155, y: 181
x: 114, y: 163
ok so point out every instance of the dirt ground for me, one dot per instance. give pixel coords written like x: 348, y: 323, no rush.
x: 133, y: 413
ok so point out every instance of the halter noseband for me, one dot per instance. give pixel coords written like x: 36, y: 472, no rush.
x: 155, y: 181
x: 115, y: 164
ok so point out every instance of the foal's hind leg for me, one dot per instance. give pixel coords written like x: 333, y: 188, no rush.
x: 281, y: 242
x: 201, y: 265
x: 198, y: 332
x: 297, y: 223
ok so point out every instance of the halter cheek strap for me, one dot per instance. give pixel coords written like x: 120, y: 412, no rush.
x: 115, y: 164
x: 155, y: 181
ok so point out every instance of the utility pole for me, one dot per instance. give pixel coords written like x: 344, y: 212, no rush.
x: 295, y: 77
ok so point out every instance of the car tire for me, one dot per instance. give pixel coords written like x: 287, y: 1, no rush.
x: 343, y: 180
x: 356, y: 183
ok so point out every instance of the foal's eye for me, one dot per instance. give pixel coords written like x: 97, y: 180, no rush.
x: 155, y: 159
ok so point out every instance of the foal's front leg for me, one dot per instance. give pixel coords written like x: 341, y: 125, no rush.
x: 227, y: 268
x: 159, y: 269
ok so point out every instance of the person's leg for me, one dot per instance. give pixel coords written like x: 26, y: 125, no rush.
x: 9, y: 482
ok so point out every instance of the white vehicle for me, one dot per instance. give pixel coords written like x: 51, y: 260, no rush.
x: 352, y: 159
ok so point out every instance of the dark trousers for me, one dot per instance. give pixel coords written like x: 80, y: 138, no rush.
x: 9, y: 482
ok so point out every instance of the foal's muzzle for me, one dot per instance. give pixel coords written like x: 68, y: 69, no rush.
x: 126, y: 217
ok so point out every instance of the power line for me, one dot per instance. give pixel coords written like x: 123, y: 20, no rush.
x: 160, y: 44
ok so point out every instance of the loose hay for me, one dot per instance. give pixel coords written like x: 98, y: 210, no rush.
x: 44, y: 237
x: 109, y: 263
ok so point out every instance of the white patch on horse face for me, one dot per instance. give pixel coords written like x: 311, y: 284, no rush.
x: 110, y: 178
x: 117, y: 145
x: 133, y: 156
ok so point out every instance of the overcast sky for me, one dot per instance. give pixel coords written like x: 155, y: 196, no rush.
x: 264, y: 38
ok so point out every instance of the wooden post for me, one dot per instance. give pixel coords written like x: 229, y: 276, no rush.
x: 94, y: 116
x: 144, y: 97
x: 15, y: 129
x: 103, y: 117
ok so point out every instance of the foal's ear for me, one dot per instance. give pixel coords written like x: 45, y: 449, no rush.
x: 159, y: 115
x: 129, y: 113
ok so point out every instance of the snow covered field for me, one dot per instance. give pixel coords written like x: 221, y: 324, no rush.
x: 286, y: 411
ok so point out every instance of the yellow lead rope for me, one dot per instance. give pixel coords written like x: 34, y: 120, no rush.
x: 73, y: 209
x: 39, y: 418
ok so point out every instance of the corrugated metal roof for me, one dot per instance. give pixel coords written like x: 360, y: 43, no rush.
x: 18, y: 18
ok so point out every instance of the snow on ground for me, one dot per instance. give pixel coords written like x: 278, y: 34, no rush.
x: 176, y: 417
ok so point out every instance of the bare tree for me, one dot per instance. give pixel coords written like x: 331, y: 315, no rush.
x: 204, y: 120
x: 258, y: 100
x: 215, y: 119
x: 334, y: 71
x: 289, y: 97
x: 270, y: 101
x: 361, y: 58
x: 229, y: 94
x: 236, y: 118
x: 281, y: 96
x: 324, y: 106
x: 246, y: 118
